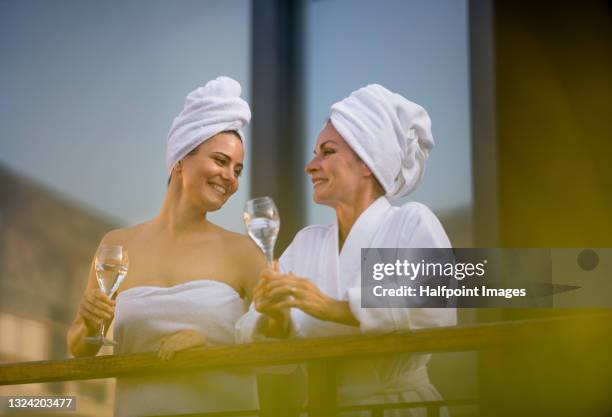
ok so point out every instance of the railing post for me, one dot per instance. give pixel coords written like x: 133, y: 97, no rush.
x: 433, y: 411
x: 321, y: 388
x: 280, y: 395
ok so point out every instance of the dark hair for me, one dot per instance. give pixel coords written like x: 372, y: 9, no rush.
x: 195, y: 150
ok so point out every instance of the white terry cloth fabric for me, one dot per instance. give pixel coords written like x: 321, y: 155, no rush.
x: 146, y: 314
x: 208, y: 110
x: 391, y: 135
x: 314, y: 254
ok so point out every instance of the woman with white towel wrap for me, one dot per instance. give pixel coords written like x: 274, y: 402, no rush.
x: 184, y: 288
x: 372, y: 149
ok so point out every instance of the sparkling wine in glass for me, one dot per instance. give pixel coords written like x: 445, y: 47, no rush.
x: 262, y: 224
x: 111, y: 267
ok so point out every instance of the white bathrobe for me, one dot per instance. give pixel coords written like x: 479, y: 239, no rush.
x: 314, y: 254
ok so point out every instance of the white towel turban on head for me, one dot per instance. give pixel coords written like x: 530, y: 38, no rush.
x: 208, y: 110
x: 390, y: 134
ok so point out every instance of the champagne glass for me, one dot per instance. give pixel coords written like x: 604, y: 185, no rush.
x: 262, y: 223
x: 111, y: 267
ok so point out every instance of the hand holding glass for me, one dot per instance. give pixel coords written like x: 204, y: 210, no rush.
x: 262, y: 223
x: 111, y: 265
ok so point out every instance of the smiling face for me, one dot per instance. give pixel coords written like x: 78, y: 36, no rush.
x: 210, y: 172
x: 338, y: 175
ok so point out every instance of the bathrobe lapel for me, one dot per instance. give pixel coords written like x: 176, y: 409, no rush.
x: 361, y: 236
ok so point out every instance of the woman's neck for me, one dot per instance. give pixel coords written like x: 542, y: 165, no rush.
x: 348, y: 212
x: 178, y: 215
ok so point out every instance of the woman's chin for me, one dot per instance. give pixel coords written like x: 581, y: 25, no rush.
x: 320, y: 199
x: 217, y: 205
x: 214, y: 204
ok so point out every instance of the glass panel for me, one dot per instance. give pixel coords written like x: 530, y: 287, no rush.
x: 417, y: 49
x: 92, y: 88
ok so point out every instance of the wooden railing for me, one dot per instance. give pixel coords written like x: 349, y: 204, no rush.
x: 318, y: 354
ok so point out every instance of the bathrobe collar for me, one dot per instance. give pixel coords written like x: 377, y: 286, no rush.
x: 361, y: 236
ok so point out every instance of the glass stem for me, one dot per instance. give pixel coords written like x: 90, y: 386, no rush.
x: 102, y: 328
x: 269, y: 252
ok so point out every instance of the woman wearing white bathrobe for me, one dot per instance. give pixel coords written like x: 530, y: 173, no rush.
x: 184, y: 288
x: 372, y: 149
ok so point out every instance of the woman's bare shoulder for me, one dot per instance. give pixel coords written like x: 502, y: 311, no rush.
x: 125, y: 235
x: 236, y: 241
x: 243, y: 246
x: 250, y: 259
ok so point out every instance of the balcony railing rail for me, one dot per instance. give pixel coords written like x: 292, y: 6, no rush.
x: 319, y: 355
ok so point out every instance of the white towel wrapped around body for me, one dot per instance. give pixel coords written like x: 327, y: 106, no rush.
x: 146, y: 314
